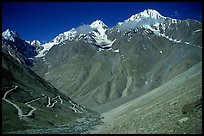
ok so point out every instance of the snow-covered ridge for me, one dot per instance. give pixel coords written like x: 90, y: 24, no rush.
x: 46, y: 48
x: 146, y: 18
x: 95, y: 34
x: 95, y: 31
x: 83, y: 29
x: 64, y: 36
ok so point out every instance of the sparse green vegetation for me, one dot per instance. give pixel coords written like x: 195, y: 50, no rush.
x: 31, y: 87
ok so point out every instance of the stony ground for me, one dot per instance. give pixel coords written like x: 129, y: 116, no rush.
x: 175, y: 107
x: 82, y: 126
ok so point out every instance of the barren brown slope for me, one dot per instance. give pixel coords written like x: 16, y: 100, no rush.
x: 143, y: 61
x: 174, y: 107
x: 93, y: 78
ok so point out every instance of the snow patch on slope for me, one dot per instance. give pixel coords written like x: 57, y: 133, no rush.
x: 197, y: 31
x: 69, y: 35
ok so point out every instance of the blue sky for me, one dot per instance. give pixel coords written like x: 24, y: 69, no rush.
x: 45, y: 20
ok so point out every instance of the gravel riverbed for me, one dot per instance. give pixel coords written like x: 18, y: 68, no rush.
x: 82, y: 126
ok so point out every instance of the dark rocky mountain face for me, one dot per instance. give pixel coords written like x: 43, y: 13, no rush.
x: 140, y: 60
x: 31, y: 102
x: 18, y: 47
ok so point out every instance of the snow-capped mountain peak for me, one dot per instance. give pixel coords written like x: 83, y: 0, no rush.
x: 9, y: 35
x: 18, y: 48
x: 149, y: 13
x: 143, y: 19
x: 97, y: 24
x: 153, y: 13
x: 95, y: 33
x: 98, y: 35
x: 35, y: 42
x: 99, y: 29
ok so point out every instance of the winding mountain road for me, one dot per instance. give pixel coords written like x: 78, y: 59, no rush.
x: 20, y: 112
x: 49, y: 105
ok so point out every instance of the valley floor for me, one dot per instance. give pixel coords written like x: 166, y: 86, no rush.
x: 82, y: 126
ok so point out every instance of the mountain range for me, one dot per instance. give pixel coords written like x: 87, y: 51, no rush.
x: 104, y: 69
